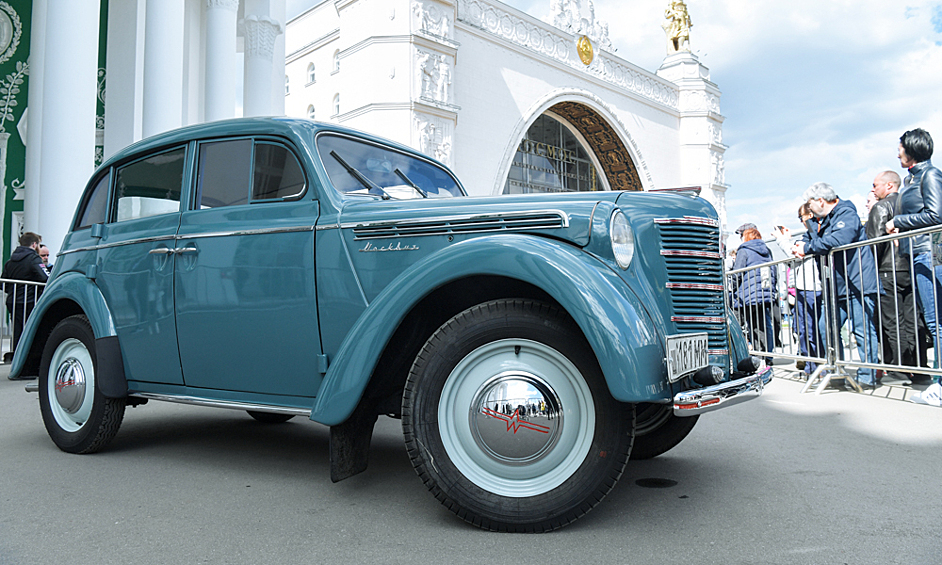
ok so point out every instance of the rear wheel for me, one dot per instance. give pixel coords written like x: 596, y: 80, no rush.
x: 658, y: 430
x: 78, y: 418
x: 508, y: 420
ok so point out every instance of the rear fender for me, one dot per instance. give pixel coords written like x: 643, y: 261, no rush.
x: 622, y: 335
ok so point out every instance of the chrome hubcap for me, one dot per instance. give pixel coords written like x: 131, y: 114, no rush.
x: 70, y: 385
x: 516, y: 418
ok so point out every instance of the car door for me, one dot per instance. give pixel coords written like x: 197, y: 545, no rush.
x: 135, y: 263
x: 245, y: 288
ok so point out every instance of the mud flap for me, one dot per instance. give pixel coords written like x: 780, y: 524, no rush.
x: 350, y: 444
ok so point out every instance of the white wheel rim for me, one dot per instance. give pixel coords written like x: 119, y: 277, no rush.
x: 547, y: 451
x: 71, y: 385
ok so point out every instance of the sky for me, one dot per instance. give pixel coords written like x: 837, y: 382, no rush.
x: 812, y: 90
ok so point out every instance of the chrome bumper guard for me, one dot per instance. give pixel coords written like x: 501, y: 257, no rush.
x: 693, y: 402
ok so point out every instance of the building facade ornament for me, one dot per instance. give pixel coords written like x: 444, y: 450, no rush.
x: 560, y: 46
x: 434, y: 136
x: 434, y: 76
x: 578, y: 18
x: 260, y: 34
x: 11, y: 30
x: 232, y: 5
x: 432, y: 19
x: 677, y: 27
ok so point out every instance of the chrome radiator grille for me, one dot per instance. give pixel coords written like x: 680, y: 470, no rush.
x: 690, y: 248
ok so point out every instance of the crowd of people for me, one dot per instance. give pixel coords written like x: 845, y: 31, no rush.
x: 29, y: 262
x: 886, y: 293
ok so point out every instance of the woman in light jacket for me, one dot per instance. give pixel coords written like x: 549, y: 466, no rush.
x: 755, y: 289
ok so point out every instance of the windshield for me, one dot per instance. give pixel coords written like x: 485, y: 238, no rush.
x: 357, y: 167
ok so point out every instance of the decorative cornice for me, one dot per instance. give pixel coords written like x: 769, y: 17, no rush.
x: 316, y: 44
x: 543, y: 39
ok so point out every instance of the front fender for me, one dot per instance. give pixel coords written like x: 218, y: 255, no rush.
x: 73, y: 287
x: 615, y: 323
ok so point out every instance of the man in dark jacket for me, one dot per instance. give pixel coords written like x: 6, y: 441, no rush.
x: 898, y: 303
x: 853, y: 274
x: 24, y: 265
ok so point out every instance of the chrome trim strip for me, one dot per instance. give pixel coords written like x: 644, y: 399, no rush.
x: 230, y: 404
x: 705, y: 319
x: 693, y: 220
x: 679, y: 253
x: 120, y: 243
x: 327, y: 227
x: 717, y: 351
x: 432, y: 222
x: 178, y: 237
x: 694, y: 286
x: 708, y: 399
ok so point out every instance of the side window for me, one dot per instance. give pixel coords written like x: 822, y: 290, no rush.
x: 150, y: 187
x: 277, y: 173
x: 224, y: 173
x: 95, y: 204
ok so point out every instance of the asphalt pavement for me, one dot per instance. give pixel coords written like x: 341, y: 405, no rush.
x: 788, y: 478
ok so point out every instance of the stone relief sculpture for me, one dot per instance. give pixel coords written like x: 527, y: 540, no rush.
x: 434, y: 77
x: 719, y: 168
x: 432, y: 20
x: 434, y: 138
x: 578, y: 17
x: 677, y: 27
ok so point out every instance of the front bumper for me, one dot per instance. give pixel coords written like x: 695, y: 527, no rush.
x: 707, y: 399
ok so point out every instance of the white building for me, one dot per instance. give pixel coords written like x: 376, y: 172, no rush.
x: 163, y: 64
x: 511, y: 103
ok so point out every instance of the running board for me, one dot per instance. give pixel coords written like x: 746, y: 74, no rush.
x: 230, y: 404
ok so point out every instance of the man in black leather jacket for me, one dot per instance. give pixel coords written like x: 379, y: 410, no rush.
x: 899, y: 302
x: 919, y: 205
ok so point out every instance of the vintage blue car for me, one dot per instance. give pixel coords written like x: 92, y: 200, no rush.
x: 530, y: 344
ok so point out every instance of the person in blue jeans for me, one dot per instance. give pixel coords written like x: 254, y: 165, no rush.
x: 854, y: 272
x: 919, y: 205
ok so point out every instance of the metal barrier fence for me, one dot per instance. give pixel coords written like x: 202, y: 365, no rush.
x: 862, y: 308
x: 20, y: 297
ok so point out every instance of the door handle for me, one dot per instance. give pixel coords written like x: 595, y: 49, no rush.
x: 182, y: 250
x: 161, y: 251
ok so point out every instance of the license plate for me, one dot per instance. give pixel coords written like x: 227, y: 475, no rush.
x: 686, y: 353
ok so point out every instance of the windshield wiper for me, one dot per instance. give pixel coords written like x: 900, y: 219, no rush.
x: 403, y: 176
x: 369, y: 185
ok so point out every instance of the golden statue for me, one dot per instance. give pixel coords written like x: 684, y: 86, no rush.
x: 677, y: 27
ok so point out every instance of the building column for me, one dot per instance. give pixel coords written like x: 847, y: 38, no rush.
x: 69, y: 95
x: 220, y: 59
x: 34, y: 121
x: 260, y: 32
x: 163, y: 66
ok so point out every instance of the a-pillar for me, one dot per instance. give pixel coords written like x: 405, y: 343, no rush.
x: 260, y: 32
x: 221, y: 18
x: 163, y: 66
x: 70, y: 88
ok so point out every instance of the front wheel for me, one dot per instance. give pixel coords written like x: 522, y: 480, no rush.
x: 508, y: 420
x: 78, y: 418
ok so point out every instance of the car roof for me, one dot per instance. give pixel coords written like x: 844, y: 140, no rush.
x: 298, y: 128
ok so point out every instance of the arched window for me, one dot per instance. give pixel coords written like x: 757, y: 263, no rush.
x: 310, y: 112
x: 552, y: 158
x: 310, y: 73
x: 287, y: 86
x: 337, y: 61
x: 336, y: 104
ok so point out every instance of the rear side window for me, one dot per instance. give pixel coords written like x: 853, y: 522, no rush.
x: 277, y: 173
x: 224, y: 173
x: 150, y: 187
x: 95, y: 204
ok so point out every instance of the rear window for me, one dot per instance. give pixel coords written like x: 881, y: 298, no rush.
x: 95, y: 204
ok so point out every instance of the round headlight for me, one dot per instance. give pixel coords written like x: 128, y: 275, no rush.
x: 623, y: 242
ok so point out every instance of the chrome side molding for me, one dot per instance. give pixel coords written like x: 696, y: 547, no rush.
x: 229, y: 404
